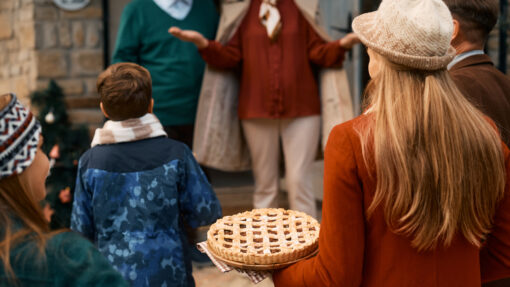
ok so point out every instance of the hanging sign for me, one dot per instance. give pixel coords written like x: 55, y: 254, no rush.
x: 71, y: 5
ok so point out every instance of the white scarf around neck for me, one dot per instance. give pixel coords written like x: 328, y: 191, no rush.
x: 129, y: 130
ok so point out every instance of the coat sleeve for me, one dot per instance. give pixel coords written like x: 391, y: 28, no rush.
x: 495, y: 254
x: 224, y: 56
x: 322, y: 53
x: 82, y: 220
x: 127, y: 47
x: 341, y: 239
x: 197, y: 200
x: 78, y: 263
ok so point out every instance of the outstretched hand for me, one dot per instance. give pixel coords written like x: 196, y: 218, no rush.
x: 349, y: 41
x: 189, y: 36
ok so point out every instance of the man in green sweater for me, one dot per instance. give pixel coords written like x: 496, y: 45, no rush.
x: 176, y: 67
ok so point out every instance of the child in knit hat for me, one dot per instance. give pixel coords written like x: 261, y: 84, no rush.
x: 136, y: 188
x: 416, y: 190
x: 31, y: 255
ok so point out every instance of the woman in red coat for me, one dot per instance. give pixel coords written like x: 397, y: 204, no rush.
x: 276, y: 50
x: 416, y: 190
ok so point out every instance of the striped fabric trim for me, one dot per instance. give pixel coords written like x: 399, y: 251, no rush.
x: 254, y: 276
x: 19, y: 137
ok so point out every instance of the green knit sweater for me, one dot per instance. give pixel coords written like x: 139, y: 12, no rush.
x: 175, y: 66
x: 70, y: 260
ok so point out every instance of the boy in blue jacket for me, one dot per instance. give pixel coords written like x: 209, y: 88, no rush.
x: 136, y: 188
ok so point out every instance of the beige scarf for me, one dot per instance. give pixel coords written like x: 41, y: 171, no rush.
x: 270, y: 18
x: 130, y: 130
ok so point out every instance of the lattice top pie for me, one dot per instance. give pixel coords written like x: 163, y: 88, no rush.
x: 264, y: 236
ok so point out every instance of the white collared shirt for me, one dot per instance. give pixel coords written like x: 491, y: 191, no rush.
x: 178, y: 9
x: 463, y: 56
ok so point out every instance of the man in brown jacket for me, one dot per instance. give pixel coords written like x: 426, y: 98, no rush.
x: 472, y: 70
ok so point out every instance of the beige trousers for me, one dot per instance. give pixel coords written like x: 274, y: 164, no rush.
x: 300, y: 140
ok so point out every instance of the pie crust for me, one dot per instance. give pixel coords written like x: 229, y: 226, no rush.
x: 264, y: 236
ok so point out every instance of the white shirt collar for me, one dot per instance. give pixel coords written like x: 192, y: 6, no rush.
x: 178, y: 9
x: 463, y: 56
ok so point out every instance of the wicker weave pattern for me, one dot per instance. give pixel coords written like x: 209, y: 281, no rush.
x: 264, y: 236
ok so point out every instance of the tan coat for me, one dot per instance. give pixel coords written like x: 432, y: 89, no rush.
x: 218, y: 141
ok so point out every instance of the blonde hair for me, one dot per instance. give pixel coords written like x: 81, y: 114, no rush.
x: 439, y: 163
x: 22, y: 220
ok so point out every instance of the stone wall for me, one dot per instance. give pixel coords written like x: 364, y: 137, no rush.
x: 69, y: 49
x: 44, y: 42
x: 17, y: 48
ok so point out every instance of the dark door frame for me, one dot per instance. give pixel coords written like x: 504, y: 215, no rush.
x: 106, y: 34
x: 503, y: 32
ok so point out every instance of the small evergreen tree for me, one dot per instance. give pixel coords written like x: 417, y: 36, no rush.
x: 65, y: 144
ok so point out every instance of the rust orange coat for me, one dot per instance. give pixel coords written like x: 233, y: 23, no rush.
x: 356, y: 251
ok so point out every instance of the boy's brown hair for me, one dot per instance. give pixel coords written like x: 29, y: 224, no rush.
x: 477, y: 18
x: 125, y: 90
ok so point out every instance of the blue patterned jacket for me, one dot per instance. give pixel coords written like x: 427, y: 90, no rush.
x: 131, y: 199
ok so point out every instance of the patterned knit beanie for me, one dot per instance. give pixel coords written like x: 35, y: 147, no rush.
x: 412, y: 33
x: 19, y: 136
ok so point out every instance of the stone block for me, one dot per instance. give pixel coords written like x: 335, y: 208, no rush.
x: 4, y: 72
x: 7, y: 5
x: 85, y: 116
x: 86, y: 62
x: 26, y: 2
x: 26, y: 12
x: 15, y: 69
x: 27, y: 68
x: 43, y: 2
x: 4, y: 59
x: 26, y: 35
x: 13, y: 57
x: 64, y: 34
x: 78, y: 34
x: 46, y: 35
x: 12, y: 45
x: 71, y: 87
x: 24, y: 55
x: 41, y: 85
x: 89, y: 12
x: 6, y: 23
x: 90, y: 86
x: 51, y: 64
x: 46, y: 13
x: 21, y: 87
x: 5, y: 85
x: 82, y: 102
x: 94, y: 34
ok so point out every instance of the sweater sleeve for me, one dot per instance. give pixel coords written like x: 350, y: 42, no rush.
x: 127, y: 47
x: 495, y: 254
x: 341, y: 239
x: 76, y: 262
x: 224, y: 56
x: 321, y: 52
x: 197, y: 199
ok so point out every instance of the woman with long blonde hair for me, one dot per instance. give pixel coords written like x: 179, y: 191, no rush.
x: 31, y: 255
x: 416, y: 189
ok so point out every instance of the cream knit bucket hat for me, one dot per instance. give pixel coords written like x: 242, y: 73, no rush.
x: 412, y: 33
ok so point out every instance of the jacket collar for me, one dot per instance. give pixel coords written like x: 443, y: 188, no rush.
x: 473, y: 61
